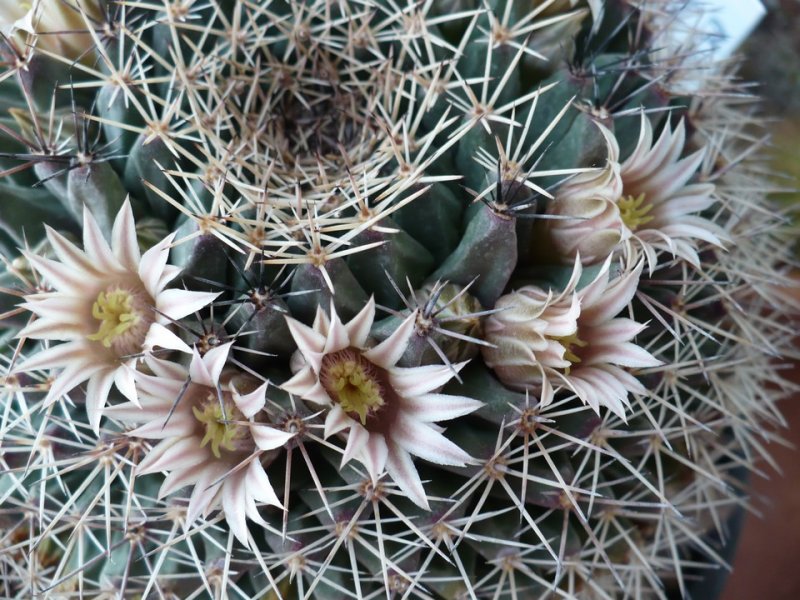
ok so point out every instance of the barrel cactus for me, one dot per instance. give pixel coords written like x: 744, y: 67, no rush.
x: 365, y: 298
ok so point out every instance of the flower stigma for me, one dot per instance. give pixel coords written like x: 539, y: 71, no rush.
x: 116, y: 313
x: 350, y: 380
x: 220, y: 429
x: 633, y: 211
x: 570, y: 342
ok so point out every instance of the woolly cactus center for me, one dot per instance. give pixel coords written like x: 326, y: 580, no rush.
x: 123, y: 318
x: 353, y: 382
x: 221, y: 429
x: 633, y: 211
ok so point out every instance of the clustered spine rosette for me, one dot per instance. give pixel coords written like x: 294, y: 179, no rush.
x: 432, y: 300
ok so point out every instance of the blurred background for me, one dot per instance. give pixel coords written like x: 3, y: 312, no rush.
x: 766, y: 563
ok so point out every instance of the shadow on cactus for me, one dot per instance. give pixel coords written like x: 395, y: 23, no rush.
x: 359, y: 299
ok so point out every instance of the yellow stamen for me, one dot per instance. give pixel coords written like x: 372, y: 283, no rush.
x: 218, y: 432
x: 116, y: 315
x: 569, y: 342
x: 354, y: 389
x: 633, y: 211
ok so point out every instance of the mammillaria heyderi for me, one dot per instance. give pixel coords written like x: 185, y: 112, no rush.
x: 439, y: 300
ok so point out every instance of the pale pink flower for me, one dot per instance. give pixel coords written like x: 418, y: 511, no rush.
x: 109, y: 305
x: 213, y: 436
x: 590, y: 225
x: 658, y: 205
x: 646, y: 203
x: 387, y: 412
x: 573, y: 339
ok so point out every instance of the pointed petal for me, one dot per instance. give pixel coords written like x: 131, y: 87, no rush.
x: 356, y: 442
x: 358, y: 327
x: 388, y: 352
x: 309, y: 342
x: 96, y: 246
x: 123, y: 238
x: 97, y: 396
x: 174, y: 454
x: 374, y: 455
x: 71, y: 377
x: 158, y: 335
x: 259, y: 485
x: 234, y: 506
x: 203, y: 495
x: 125, y: 380
x: 616, y: 297
x: 176, y: 303
x: 206, y: 370
x: 421, y: 440
x: 152, y: 266
x: 69, y: 254
x: 59, y: 355
x: 336, y: 420
x: 59, y: 275
x: 337, y: 338
x: 439, y: 407
x: 402, y: 471
x: 415, y: 381
x: 252, y: 403
x: 269, y: 438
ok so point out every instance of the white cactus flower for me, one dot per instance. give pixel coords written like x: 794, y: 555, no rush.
x: 658, y: 205
x: 387, y: 411
x: 212, y: 436
x: 644, y: 204
x: 110, y: 305
x: 573, y: 339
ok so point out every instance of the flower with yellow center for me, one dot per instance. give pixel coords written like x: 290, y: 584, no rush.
x: 574, y: 339
x: 110, y: 305
x: 659, y: 207
x: 643, y: 204
x: 212, y: 436
x: 386, y: 413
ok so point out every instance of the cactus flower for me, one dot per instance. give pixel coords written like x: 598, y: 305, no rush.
x: 211, y: 436
x: 110, y: 305
x: 644, y: 203
x: 58, y: 24
x: 591, y: 225
x: 387, y: 411
x: 658, y: 205
x: 573, y: 340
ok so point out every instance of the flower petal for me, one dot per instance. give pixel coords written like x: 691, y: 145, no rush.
x: 177, y: 303
x: 123, y: 238
x: 388, y: 352
x: 269, y: 438
x: 439, y: 407
x: 415, y: 381
x: 402, y: 471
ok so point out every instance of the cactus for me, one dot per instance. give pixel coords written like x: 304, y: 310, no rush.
x: 358, y: 299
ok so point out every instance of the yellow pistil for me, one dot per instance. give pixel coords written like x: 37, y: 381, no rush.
x: 569, y: 342
x: 633, y: 211
x: 218, y: 432
x: 115, y: 312
x: 353, y: 388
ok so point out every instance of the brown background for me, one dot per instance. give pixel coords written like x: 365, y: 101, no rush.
x: 767, y: 564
